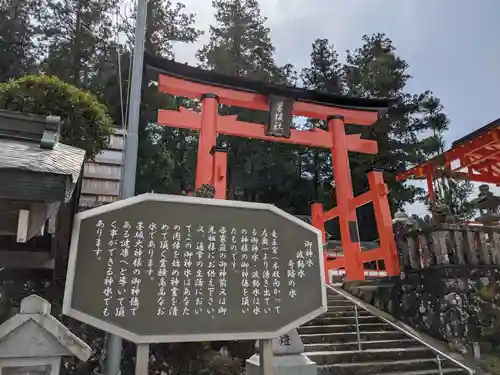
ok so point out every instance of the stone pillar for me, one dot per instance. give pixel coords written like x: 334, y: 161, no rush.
x: 288, y: 359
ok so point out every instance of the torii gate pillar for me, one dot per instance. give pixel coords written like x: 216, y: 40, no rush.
x: 207, y: 140
x: 343, y: 189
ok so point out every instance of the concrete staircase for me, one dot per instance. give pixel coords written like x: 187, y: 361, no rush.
x: 331, y: 341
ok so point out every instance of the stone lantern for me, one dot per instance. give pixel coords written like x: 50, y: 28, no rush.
x: 33, y: 342
x: 488, y: 206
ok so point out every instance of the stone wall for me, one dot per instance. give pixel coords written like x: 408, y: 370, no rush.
x: 457, y: 304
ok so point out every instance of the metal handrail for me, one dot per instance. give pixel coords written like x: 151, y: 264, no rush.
x: 374, y: 311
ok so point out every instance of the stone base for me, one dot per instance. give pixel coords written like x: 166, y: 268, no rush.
x: 295, y: 364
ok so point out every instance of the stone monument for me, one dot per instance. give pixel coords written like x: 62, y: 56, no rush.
x: 288, y: 357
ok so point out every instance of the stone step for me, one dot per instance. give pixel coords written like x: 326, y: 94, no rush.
x: 379, y: 367
x: 346, y: 307
x: 342, y: 320
x: 343, y: 337
x: 346, y: 328
x: 447, y: 371
x: 344, y: 346
x: 334, y: 313
x: 370, y: 355
x: 335, y: 297
x: 339, y: 302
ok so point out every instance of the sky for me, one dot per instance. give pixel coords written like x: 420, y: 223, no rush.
x: 452, y: 46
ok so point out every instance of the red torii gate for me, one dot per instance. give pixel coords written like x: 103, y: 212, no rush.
x: 475, y: 157
x: 215, y: 89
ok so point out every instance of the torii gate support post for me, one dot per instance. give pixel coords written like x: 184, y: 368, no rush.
x: 349, y: 233
x: 319, y: 223
x: 207, y: 140
x: 384, y: 222
x: 377, y: 194
x: 430, y: 185
x: 220, y: 172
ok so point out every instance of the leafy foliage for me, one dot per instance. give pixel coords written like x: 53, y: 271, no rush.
x: 240, y: 45
x: 77, y: 34
x: 375, y: 70
x: 168, y: 24
x: 166, y: 155
x: 323, y: 74
x: 85, y: 121
x: 450, y: 192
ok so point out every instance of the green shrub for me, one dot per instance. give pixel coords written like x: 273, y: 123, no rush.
x: 85, y: 122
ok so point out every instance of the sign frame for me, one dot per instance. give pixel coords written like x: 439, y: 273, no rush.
x: 272, y: 128
x: 150, y: 339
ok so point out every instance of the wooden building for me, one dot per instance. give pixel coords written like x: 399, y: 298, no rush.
x: 40, y: 180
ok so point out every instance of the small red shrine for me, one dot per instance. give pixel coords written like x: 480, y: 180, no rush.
x: 475, y: 157
x: 282, y: 103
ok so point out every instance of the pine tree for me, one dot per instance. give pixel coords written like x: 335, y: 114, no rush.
x: 17, y: 34
x: 77, y: 34
x: 162, y: 164
x: 323, y: 74
x: 240, y: 45
x: 450, y: 192
x: 375, y: 70
x: 167, y: 24
x: 325, y: 70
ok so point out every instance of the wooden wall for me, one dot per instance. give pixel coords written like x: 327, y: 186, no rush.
x: 101, y: 177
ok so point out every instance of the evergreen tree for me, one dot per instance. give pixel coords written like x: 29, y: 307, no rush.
x: 325, y: 70
x: 450, y: 192
x: 375, y: 70
x: 162, y: 164
x: 77, y: 34
x: 17, y: 33
x: 167, y: 24
x: 240, y: 45
x: 167, y: 155
x: 323, y: 74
